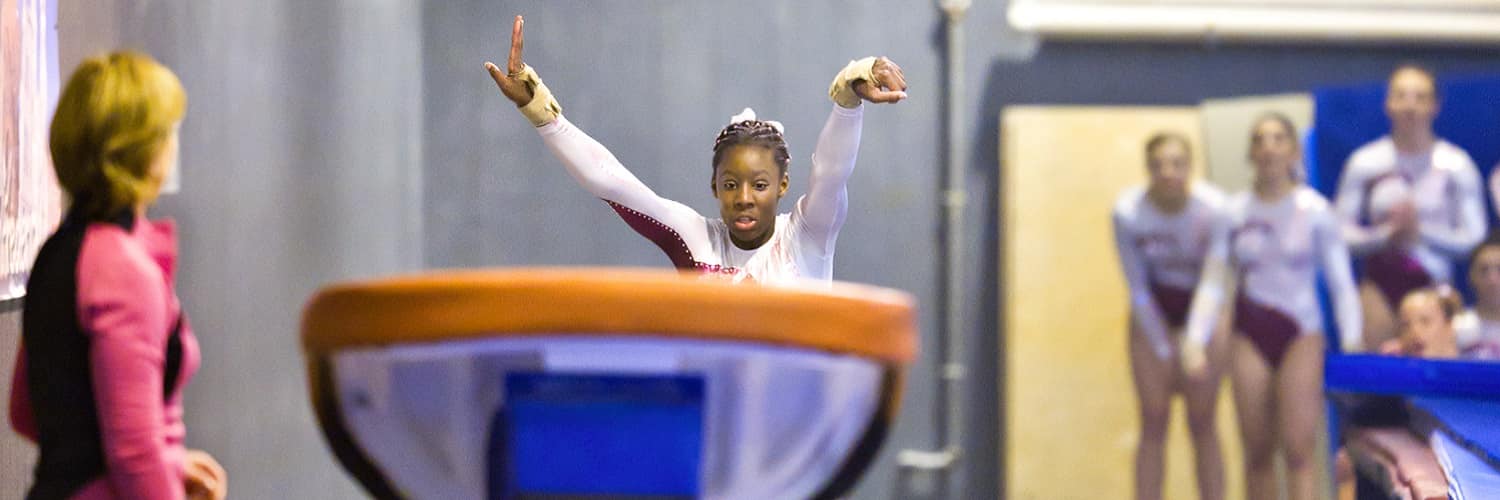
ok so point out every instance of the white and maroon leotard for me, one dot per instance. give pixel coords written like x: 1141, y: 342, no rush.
x: 1276, y: 248
x: 1162, y: 256
x: 802, y: 245
x: 1443, y: 185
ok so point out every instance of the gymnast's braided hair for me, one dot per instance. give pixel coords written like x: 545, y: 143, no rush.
x: 752, y: 133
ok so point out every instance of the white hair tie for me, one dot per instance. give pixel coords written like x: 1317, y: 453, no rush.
x: 749, y: 115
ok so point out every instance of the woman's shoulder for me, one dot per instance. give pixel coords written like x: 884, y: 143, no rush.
x: 1450, y: 156
x: 1310, y: 199
x: 1129, y: 200
x: 1376, y: 153
x: 1208, y: 196
x: 111, y: 254
x: 1237, y: 202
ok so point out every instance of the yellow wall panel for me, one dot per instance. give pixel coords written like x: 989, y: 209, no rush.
x: 1070, y: 409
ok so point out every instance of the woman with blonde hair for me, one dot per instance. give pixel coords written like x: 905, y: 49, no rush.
x: 106, y: 347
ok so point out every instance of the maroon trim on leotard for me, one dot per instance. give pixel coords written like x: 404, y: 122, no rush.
x: 1396, y: 274
x: 1174, y: 303
x: 665, y: 237
x: 668, y: 239
x: 1393, y: 271
x: 1270, y: 330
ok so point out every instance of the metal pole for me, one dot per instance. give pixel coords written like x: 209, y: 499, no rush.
x: 952, y: 369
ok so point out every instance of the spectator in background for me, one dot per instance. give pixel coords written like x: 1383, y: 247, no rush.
x: 106, y: 348
x: 1411, y: 203
x: 1162, y: 233
x: 1478, y: 328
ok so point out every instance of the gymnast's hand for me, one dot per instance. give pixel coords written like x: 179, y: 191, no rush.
x: 888, y: 86
x: 1403, y: 219
x: 509, y: 82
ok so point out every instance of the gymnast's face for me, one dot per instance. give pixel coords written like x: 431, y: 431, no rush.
x: 1484, y: 274
x: 1170, y: 165
x: 1273, y: 150
x: 1424, y: 328
x: 1411, y: 100
x: 749, y: 184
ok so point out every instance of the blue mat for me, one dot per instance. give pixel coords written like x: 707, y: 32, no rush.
x: 1471, y: 423
x: 1401, y: 376
x: 1469, y: 477
x: 565, y: 435
x: 1460, y: 399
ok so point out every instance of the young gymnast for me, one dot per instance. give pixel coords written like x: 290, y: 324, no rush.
x: 1478, y: 328
x: 750, y: 173
x: 1411, y: 203
x: 1162, y: 232
x: 1276, y: 237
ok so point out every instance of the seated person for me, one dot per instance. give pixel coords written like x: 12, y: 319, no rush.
x: 1376, y: 426
x: 1478, y: 328
x: 1426, y: 325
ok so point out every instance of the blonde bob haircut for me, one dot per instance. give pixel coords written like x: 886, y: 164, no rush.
x: 113, y: 119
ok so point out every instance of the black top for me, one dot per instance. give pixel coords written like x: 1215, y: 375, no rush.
x: 58, y: 371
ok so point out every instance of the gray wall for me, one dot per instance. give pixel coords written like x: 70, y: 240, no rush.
x: 299, y: 157
x: 334, y: 139
x: 16, y: 454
